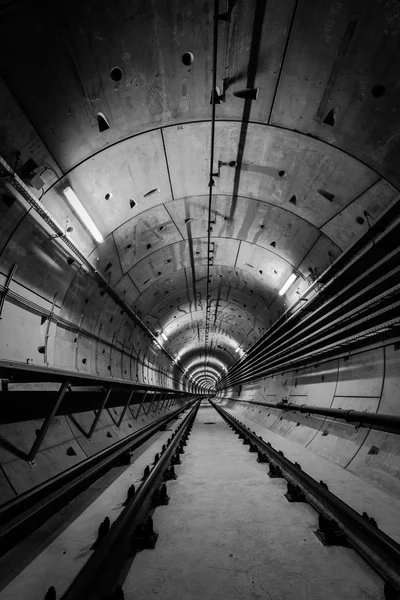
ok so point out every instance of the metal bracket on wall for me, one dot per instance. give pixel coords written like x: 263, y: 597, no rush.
x: 99, y: 412
x: 46, y: 424
x: 77, y: 342
x: 47, y: 334
x: 6, y: 288
x: 141, y: 404
x: 125, y: 408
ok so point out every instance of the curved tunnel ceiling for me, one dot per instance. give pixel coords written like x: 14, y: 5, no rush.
x: 108, y: 107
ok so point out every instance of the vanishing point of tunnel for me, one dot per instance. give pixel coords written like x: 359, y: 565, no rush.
x: 200, y: 300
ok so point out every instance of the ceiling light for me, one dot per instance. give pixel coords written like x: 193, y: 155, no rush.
x: 164, y: 337
x: 287, y: 285
x: 82, y: 214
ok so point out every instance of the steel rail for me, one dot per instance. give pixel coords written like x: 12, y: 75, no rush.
x: 377, y: 548
x: 19, y: 514
x: 86, y: 582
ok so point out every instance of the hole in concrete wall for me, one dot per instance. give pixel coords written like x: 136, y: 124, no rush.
x: 159, y: 273
x: 103, y: 351
x: 282, y: 174
x: 167, y: 261
x: 108, y: 196
x: 188, y: 58
x: 262, y: 226
x: 109, y: 434
x: 273, y: 244
x: 70, y: 261
x: 109, y: 367
x: 84, y: 360
x: 132, y: 203
x: 153, y: 191
x: 293, y: 200
x: 161, y: 228
x: 116, y: 74
x: 129, y: 425
x: 324, y: 433
x: 102, y: 122
x: 129, y: 246
x: 360, y: 220
x: 71, y: 451
x: 148, y: 246
x: 326, y: 195
x: 322, y: 377
x: 330, y: 118
x: 108, y: 266
x: 373, y: 450
x: 260, y: 271
x: 378, y: 90
x: 41, y: 349
x: 43, y: 320
x: 86, y: 300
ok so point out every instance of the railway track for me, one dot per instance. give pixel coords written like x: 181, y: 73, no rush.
x: 228, y: 526
x: 24, y: 514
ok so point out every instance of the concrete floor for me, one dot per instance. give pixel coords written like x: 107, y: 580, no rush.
x: 229, y: 533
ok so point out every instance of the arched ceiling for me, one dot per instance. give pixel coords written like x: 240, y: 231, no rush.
x: 295, y: 170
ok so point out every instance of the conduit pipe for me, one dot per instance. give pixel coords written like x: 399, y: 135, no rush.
x: 384, y: 421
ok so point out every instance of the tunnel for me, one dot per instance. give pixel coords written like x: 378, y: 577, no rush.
x: 199, y: 299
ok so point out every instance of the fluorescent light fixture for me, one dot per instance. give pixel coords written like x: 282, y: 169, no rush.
x: 287, y: 285
x: 164, y: 337
x: 82, y: 214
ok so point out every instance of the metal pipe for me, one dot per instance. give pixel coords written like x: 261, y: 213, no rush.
x: 211, y: 181
x: 391, y: 422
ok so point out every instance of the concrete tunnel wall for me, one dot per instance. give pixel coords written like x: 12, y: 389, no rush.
x: 367, y: 381
x: 64, y: 446
x: 93, y: 334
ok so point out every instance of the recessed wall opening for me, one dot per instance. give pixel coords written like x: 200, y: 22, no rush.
x: 132, y: 203
x: 378, y: 90
x: 293, y: 199
x: 153, y: 191
x: 330, y: 118
x: 102, y: 122
x: 326, y: 195
x: 116, y: 74
x: 188, y: 58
